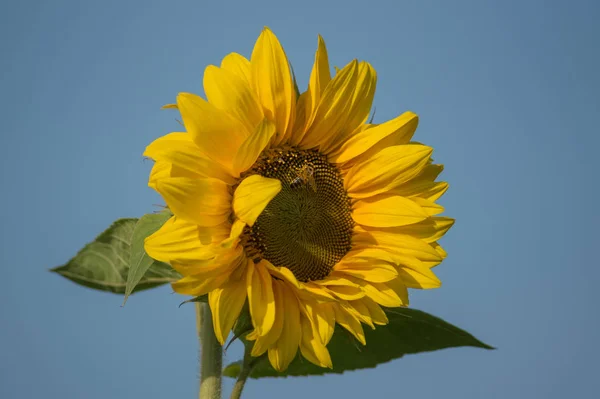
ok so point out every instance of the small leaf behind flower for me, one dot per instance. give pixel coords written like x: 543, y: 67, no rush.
x: 409, y: 331
x: 139, y: 260
x: 233, y: 369
x: 103, y: 264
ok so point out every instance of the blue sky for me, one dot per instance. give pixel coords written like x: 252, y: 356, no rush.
x: 507, y: 93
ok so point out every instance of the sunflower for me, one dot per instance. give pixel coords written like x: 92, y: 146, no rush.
x: 294, y: 203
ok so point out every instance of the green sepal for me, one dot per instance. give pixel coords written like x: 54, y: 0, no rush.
x: 203, y: 298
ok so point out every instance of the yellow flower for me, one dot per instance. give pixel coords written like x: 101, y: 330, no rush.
x: 295, y: 204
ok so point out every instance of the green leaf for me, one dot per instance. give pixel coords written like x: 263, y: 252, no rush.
x: 233, y: 369
x: 104, y: 263
x: 139, y: 260
x: 410, y: 331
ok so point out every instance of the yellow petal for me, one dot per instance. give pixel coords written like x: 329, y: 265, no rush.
x: 394, y: 243
x: 194, y: 286
x: 362, y: 99
x: 198, y: 267
x: 169, y: 106
x: 234, y: 232
x: 282, y: 273
x: 387, y: 169
x: 254, y: 144
x: 214, y: 234
x: 358, y: 256
x: 336, y: 279
x: 440, y: 251
x: 438, y: 248
x: 401, y: 129
x: 349, y: 321
x: 428, y: 190
x: 398, y: 286
x: 286, y: 347
x: 374, y: 271
x: 237, y: 64
x: 341, y: 286
x: 163, y: 169
x: 177, y: 240
x: 320, y: 75
x: 387, y: 210
x: 179, y: 149
x: 361, y: 311
x: 301, y: 118
x: 430, y: 207
x: 406, y: 251
x: 384, y: 295
x: 224, y: 262
x: 205, y: 202
x: 232, y: 94
x: 377, y: 314
x: 306, y: 291
x: 322, y: 317
x: 423, y: 270
x: 312, y: 291
x: 263, y: 342
x: 260, y: 297
x: 428, y: 174
x: 217, y: 134
x: 159, y: 171
x: 429, y: 230
x: 226, y: 304
x: 253, y: 195
x: 311, y: 346
x: 273, y: 82
x: 309, y: 101
x: 346, y: 293
x: 334, y: 108
x: 413, y: 279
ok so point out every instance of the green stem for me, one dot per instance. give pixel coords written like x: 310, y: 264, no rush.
x: 211, y: 354
x: 247, y: 366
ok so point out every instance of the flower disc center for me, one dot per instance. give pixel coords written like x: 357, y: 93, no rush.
x: 307, y: 227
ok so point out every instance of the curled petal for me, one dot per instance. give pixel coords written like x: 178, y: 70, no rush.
x: 253, y: 195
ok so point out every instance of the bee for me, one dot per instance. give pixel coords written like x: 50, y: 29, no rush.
x: 305, y: 175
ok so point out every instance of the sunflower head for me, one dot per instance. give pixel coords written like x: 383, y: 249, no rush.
x: 295, y: 204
